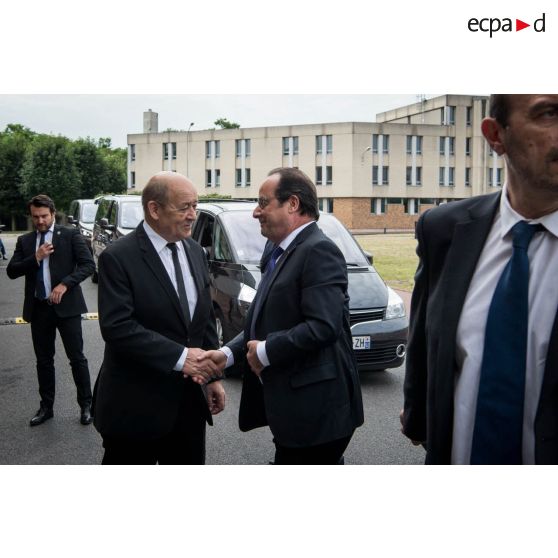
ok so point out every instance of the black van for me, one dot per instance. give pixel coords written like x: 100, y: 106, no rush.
x: 233, y: 243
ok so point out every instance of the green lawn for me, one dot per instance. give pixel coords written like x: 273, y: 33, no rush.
x: 394, y: 257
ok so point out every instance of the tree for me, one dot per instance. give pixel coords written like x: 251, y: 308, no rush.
x: 117, y: 169
x: 92, y: 167
x: 49, y: 168
x: 14, y: 142
x: 226, y: 124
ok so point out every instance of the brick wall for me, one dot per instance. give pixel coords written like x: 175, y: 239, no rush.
x: 354, y: 213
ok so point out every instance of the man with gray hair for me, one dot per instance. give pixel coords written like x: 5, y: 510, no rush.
x: 156, y: 317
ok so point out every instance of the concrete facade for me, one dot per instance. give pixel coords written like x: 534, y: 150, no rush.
x: 372, y: 175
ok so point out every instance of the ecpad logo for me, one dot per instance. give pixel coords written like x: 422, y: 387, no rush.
x: 494, y: 24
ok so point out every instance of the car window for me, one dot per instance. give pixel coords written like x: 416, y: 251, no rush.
x: 344, y: 240
x: 222, y: 249
x: 102, y: 209
x: 131, y: 213
x: 245, y: 235
x: 112, y: 219
x: 88, y: 212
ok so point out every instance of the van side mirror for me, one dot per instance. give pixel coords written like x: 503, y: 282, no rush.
x: 70, y: 219
x: 369, y: 257
x: 104, y: 224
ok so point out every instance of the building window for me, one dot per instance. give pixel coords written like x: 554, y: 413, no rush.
x: 378, y: 206
x: 418, y: 176
x: 378, y: 146
x: 467, y: 146
x: 495, y: 177
x: 385, y: 175
x: 132, y: 152
x: 412, y: 206
x: 450, y: 173
x: 418, y: 140
x: 239, y: 177
x: 448, y: 116
x: 469, y: 115
x: 208, y: 182
x: 328, y: 177
x: 467, y: 176
x: 208, y: 177
x: 216, y: 144
x: 240, y: 144
x: 133, y: 179
x: 328, y: 142
x: 451, y: 144
x: 166, y: 150
x: 286, y: 145
x: 325, y: 205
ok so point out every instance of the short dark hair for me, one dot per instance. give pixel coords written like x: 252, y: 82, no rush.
x: 157, y: 189
x: 42, y: 200
x: 293, y: 182
x: 499, y: 108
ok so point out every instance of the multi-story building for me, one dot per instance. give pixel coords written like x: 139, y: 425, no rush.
x: 372, y: 175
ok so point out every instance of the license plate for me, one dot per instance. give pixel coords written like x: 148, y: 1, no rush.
x: 361, y: 343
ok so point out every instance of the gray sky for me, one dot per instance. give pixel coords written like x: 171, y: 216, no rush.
x: 115, y: 116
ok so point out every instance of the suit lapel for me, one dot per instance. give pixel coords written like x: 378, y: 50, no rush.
x: 466, y: 247
x: 262, y: 294
x: 154, y: 262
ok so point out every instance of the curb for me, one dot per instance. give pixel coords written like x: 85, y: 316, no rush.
x: 20, y: 321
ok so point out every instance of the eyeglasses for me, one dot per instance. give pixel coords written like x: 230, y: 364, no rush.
x: 264, y: 202
x: 185, y: 208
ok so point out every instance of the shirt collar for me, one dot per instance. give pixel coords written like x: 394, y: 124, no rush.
x: 156, y: 239
x: 509, y: 217
x: 286, y: 242
x: 50, y: 230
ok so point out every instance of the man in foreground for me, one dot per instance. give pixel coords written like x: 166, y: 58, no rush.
x: 156, y: 316
x: 482, y: 359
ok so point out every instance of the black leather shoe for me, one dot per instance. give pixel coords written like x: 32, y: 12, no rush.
x: 41, y: 416
x: 86, y: 417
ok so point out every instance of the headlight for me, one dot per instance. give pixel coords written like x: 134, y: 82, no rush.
x: 395, y: 307
x: 245, y: 298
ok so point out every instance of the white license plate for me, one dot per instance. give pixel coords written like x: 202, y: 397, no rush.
x: 361, y: 343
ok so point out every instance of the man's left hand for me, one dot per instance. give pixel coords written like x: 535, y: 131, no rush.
x: 215, y: 397
x: 252, y: 357
x: 57, y: 293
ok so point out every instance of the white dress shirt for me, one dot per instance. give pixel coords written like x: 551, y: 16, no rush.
x: 164, y: 253
x: 543, y: 304
x: 46, y: 261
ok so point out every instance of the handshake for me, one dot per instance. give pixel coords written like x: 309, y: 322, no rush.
x: 204, y: 366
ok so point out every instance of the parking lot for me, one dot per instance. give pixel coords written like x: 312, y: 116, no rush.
x: 64, y: 440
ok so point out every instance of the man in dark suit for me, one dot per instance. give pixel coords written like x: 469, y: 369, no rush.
x: 300, y: 373
x: 54, y: 260
x: 482, y: 363
x: 156, y: 317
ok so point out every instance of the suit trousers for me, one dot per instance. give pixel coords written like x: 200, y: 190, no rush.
x: 44, y: 324
x: 183, y: 445
x: 330, y: 453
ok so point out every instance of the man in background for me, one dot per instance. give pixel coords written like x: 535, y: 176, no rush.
x: 54, y: 260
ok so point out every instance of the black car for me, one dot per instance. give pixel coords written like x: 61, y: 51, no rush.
x: 81, y: 215
x: 116, y: 216
x: 234, y: 244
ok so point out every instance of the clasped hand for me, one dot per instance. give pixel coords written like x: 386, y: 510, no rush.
x: 202, y: 366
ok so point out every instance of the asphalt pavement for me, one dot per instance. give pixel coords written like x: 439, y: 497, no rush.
x: 63, y: 440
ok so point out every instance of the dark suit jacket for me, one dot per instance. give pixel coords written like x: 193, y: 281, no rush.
x: 450, y: 241
x: 70, y: 263
x: 138, y: 394
x: 311, y: 390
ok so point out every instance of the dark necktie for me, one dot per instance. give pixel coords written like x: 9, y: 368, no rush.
x: 497, y: 435
x: 271, y: 263
x: 179, y: 281
x: 41, y: 289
